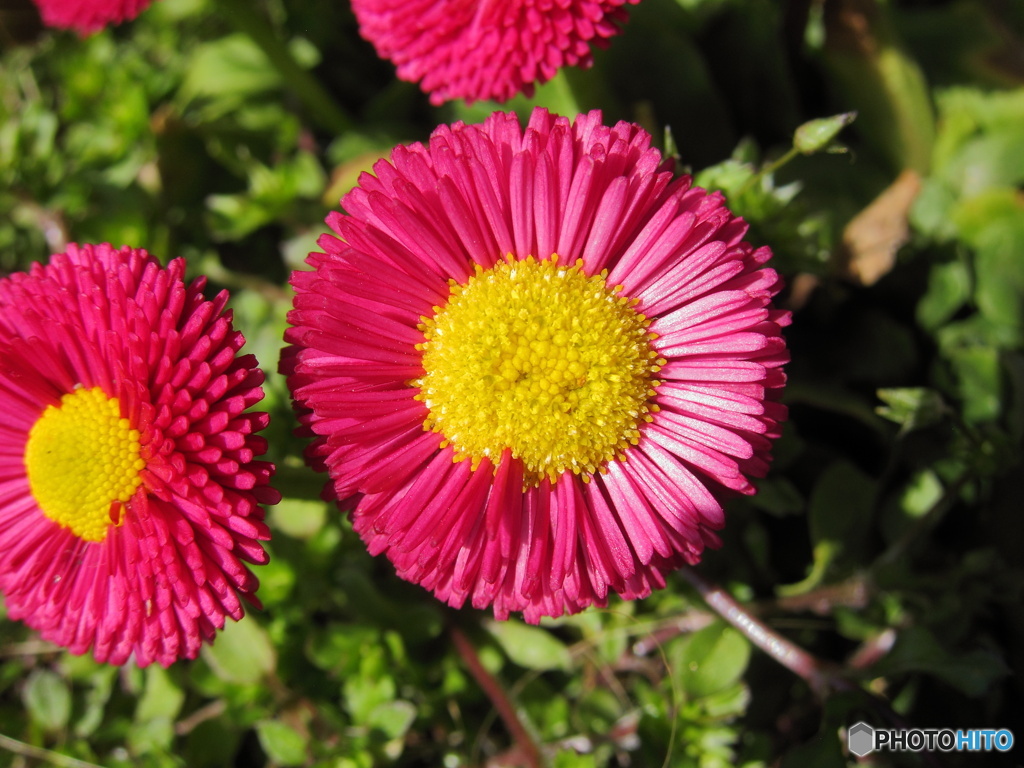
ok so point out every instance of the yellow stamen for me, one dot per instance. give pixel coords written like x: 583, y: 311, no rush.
x: 542, y: 359
x: 83, y: 462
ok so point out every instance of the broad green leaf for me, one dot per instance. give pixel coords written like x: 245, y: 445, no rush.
x: 921, y: 494
x: 393, y: 718
x: 529, y: 646
x: 566, y: 758
x: 709, y: 660
x: 300, y: 518
x: 371, y: 685
x: 229, y: 68
x: 149, y: 736
x: 162, y: 696
x: 282, y: 743
x: 949, y: 288
x: 241, y: 653
x: 101, y: 685
x: 778, y: 496
x: 277, y: 580
x: 876, y: 77
x: 211, y: 744
x: 365, y: 691
x: 979, y: 381
x: 47, y: 699
x: 842, y: 508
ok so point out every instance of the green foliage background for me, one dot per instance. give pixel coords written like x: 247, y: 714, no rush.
x: 887, y: 538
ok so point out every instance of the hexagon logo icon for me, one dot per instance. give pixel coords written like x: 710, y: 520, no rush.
x: 860, y: 738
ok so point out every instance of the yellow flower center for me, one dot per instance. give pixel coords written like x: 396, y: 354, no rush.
x: 82, y: 458
x: 540, y: 359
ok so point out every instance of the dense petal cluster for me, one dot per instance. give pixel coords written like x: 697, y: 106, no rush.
x: 88, y: 16
x: 129, y: 492
x: 472, y: 211
x: 486, y: 49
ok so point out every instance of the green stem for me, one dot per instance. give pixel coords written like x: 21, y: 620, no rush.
x: 47, y: 756
x: 766, y: 170
x: 320, y: 105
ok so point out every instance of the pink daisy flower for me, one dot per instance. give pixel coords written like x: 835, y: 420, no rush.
x: 88, y: 16
x: 129, y: 497
x: 486, y: 49
x: 536, y: 363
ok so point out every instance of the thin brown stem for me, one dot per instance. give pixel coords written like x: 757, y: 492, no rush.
x: 496, y: 693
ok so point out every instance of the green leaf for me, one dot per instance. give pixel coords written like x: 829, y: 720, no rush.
x: 47, y: 699
x: 921, y: 494
x: 566, y: 758
x: 230, y: 69
x: 371, y: 684
x: 875, y: 76
x: 212, y: 744
x: 911, y: 407
x: 710, y: 660
x: 300, y: 518
x: 778, y: 496
x: 149, y: 736
x: 282, y: 743
x: 101, y: 685
x: 162, y: 696
x: 918, y: 650
x: 949, y: 288
x: 842, y: 507
x: 277, y: 580
x: 366, y: 691
x: 530, y: 647
x: 979, y: 381
x: 392, y: 718
x: 241, y: 653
